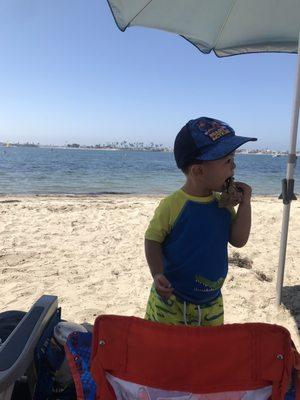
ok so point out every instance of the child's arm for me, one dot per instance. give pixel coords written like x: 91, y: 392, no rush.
x: 155, y: 261
x: 240, y: 229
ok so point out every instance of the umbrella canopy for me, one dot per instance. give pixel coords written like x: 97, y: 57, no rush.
x: 230, y: 27
x: 227, y: 27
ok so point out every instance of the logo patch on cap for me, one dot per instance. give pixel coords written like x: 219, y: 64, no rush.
x: 213, y: 129
x: 216, y: 133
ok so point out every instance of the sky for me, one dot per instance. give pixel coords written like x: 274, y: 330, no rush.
x: 69, y: 75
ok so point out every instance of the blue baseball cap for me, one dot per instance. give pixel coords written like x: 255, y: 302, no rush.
x: 205, y: 139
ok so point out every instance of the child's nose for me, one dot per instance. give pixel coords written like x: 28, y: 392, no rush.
x: 233, y: 165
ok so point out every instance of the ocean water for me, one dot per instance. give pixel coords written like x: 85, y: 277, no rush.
x: 37, y: 171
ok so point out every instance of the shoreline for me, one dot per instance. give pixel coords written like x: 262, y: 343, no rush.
x: 112, y: 194
x: 89, y: 251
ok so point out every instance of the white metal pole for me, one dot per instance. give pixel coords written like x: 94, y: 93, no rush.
x: 289, y: 175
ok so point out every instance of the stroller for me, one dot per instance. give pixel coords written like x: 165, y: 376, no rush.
x: 133, y: 359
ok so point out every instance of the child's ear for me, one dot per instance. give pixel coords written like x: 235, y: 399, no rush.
x: 196, y: 169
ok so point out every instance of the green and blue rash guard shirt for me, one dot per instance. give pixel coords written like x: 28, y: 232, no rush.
x: 194, y: 233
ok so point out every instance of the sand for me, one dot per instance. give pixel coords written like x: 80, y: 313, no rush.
x: 89, y: 252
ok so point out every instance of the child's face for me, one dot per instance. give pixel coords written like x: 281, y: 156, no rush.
x: 216, y: 172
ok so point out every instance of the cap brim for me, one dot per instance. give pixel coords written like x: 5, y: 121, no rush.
x: 224, y: 147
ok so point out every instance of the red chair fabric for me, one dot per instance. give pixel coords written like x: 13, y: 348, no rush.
x: 196, y: 359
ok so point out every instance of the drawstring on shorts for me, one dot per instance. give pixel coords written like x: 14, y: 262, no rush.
x: 184, y: 314
x: 199, y: 315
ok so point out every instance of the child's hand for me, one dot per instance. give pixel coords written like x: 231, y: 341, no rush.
x: 162, y: 285
x: 231, y: 195
x: 246, y: 191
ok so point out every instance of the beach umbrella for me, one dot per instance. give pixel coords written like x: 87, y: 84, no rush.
x: 230, y: 27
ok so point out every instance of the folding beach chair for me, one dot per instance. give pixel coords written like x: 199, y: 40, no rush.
x: 134, y: 359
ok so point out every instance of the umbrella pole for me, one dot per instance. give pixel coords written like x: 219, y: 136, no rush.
x: 288, y: 184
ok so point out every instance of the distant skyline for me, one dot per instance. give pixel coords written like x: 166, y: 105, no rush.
x: 127, y: 145
x: 68, y: 75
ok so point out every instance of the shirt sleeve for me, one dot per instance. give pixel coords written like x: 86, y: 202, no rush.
x: 160, y: 224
